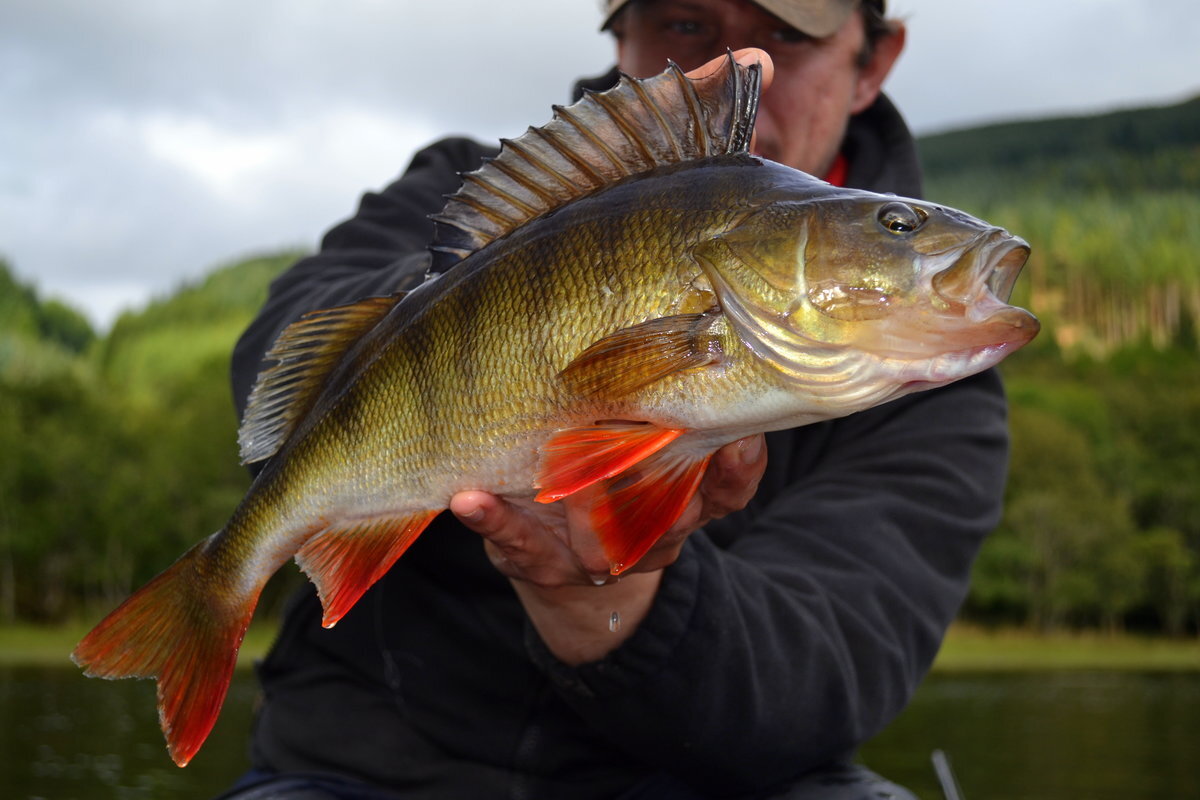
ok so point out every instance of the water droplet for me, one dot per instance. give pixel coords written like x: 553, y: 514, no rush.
x: 614, y: 622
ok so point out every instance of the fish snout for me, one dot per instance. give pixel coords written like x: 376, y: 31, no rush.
x: 985, y: 272
x: 977, y: 286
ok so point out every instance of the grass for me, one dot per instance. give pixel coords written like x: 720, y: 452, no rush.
x: 967, y: 648
x: 49, y: 646
x: 971, y: 648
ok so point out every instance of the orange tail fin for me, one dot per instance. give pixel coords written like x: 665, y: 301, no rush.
x: 186, y: 633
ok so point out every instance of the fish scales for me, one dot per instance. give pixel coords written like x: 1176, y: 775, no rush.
x: 390, y: 425
x: 596, y: 324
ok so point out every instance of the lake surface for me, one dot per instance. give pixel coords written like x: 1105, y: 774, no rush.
x: 1050, y: 736
x: 1012, y: 736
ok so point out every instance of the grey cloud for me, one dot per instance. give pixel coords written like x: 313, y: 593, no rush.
x: 346, y: 89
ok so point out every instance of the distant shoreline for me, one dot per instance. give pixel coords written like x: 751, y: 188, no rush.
x: 968, y: 648
x: 26, y: 645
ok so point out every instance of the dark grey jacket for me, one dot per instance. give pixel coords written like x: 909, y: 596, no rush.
x: 785, y: 635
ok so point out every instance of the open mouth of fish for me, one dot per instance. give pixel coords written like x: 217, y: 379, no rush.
x: 976, y: 288
x: 1003, y: 276
x: 981, y: 280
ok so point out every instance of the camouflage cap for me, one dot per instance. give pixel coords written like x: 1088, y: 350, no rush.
x: 814, y: 17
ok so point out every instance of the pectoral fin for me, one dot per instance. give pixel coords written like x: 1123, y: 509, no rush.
x: 637, y: 356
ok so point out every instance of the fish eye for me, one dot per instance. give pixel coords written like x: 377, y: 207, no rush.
x: 901, y: 218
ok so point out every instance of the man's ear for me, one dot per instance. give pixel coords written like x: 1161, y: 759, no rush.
x: 883, y: 58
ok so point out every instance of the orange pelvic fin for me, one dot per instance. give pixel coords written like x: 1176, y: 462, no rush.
x: 343, y: 560
x: 640, y: 505
x: 185, y: 632
x: 578, y: 457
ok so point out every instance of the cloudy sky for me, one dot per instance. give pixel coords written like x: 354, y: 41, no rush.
x: 143, y: 142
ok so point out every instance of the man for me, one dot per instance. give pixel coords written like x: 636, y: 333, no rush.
x: 786, y: 618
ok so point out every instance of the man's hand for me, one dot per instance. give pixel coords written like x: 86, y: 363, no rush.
x: 560, y: 574
x: 553, y: 545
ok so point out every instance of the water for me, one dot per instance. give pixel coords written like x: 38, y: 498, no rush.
x: 1050, y: 736
x: 1024, y: 736
x: 67, y: 737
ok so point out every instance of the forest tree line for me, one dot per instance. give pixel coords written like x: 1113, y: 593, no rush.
x: 119, y: 449
x: 1102, y: 520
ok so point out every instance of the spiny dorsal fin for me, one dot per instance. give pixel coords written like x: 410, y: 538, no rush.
x: 304, y: 353
x: 633, y: 128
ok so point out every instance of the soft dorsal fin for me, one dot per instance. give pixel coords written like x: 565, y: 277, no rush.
x: 305, y: 353
x: 633, y: 128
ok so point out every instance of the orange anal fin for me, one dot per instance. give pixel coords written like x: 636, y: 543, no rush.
x: 638, y: 507
x: 578, y: 457
x: 186, y: 633
x: 343, y: 560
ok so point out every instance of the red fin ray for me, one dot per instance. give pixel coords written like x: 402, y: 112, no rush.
x: 186, y: 633
x: 343, y: 560
x: 578, y: 457
x: 646, y: 487
x: 639, y: 506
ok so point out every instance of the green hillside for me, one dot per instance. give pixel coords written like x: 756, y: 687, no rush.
x: 119, y: 451
x: 197, y: 324
x: 37, y: 337
x: 1110, y: 205
x: 1079, y: 147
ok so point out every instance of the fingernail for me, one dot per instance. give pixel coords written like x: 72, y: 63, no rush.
x: 474, y: 516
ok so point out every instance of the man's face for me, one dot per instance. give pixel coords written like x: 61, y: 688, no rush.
x: 818, y: 83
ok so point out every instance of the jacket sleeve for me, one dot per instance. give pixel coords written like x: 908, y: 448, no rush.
x: 381, y: 250
x: 796, y: 629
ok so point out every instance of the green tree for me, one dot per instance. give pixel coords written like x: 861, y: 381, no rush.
x: 1172, y: 573
x: 1063, y: 529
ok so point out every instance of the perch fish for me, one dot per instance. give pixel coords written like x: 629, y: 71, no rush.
x: 619, y: 293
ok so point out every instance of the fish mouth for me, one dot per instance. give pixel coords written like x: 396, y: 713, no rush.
x: 976, y: 289
x: 1003, y: 276
x: 987, y: 270
x: 969, y: 325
